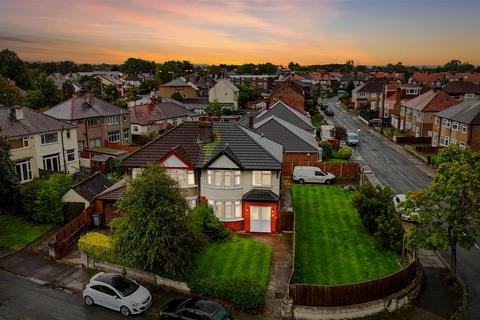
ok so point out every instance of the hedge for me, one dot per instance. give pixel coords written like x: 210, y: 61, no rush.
x: 98, y: 247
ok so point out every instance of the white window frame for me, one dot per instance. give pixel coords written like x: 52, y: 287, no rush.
x: 126, y: 134
x: 135, y: 129
x: 70, y: 152
x: 444, y: 141
x: 455, y: 126
x: 446, y: 123
x: 469, y: 95
x: 462, y: 145
x: 411, y: 91
x: 113, y: 136
x: 220, y: 208
x: 49, y: 160
x: 264, y: 174
x: 24, y: 170
x: 464, y: 128
x: 184, y: 177
x: 216, y: 179
x: 111, y: 120
x: 68, y: 134
x: 44, y: 138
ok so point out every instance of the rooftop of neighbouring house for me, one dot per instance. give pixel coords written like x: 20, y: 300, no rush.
x: 467, y: 112
x: 92, y: 186
x: 27, y: 121
x: 430, y: 101
x: 460, y: 87
x: 77, y: 108
x: 156, y: 111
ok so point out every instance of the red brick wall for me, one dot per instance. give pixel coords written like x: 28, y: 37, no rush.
x: 475, y: 142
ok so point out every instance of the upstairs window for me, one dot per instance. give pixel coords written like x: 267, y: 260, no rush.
x: 113, y: 120
x: 224, y: 178
x: 91, y: 123
x: 48, y: 138
x: 262, y: 178
x: 445, y: 123
x: 455, y: 126
x: 464, y: 128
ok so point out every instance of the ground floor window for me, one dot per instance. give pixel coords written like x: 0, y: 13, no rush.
x: 94, y: 143
x: 24, y: 170
x: 444, y: 141
x: 114, y: 136
x: 226, y: 209
x: 51, y: 162
x: 70, y: 155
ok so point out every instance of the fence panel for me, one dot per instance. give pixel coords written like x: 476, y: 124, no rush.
x: 343, y: 295
x: 286, y: 220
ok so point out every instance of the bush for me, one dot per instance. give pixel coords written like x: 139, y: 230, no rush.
x: 345, y: 153
x: 98, y: 247
x: 326, y: 149
x: 243, y: 292
x: 389, y: 232
x: 203, y: 219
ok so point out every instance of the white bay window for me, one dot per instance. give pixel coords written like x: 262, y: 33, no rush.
x: 226, y: 209
x: 224, y: 178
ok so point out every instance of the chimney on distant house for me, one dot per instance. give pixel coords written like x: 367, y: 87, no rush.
x: 91, y: 98
x: 17, y: 112
x: 250, y: 120
x: 206, y: 130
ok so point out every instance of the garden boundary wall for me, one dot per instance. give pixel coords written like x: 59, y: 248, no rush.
x: 342, y: 170
x: 143, y: 276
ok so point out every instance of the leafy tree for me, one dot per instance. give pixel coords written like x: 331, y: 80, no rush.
x: 48, y: 88
x: 246, y: 94
x: 9, y: 94
x: 214, y: 107
x: 203, y: 218
x: 35, y: 99
x: 9, y: 182
x: 372, y: 202
x: 448, y: 211
x: 12, y: 67
x: 67, y: 90
x: 349, y: 88
x: 177, y: 96
x: 340, y: 132
x: 153, y: 232
x: 148, y: 86
x: 110, y: 93
x: 135, y: 66
x: 389, y: 233
x: 47, y: 197
x: 168, y: 70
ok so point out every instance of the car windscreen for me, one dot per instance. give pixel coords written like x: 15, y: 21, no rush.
x: 221, y: 314
x: 124, y: 285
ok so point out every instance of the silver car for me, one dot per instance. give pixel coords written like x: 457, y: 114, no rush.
x: 117, y: 292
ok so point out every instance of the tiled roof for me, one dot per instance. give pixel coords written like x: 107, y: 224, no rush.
x: 179, y: 82
x: 372, y: 86
x: 148, y: 113
x: 427, y: 77
x: 111, y: 79
x: 459, y: 87
x: 430, y: 101
x: 92, y: 186
x: 274, y: 148
x: 260, y: 195
x: 467, y: 112
x: 113, y: 192
x: 79, y: 108
x: 468, y: 76
x: 33, y: 122
x: 229, y: 85
x: 226, y: 136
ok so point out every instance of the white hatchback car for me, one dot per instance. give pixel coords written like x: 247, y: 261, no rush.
x: 397, y: 201
x: 117, y: 292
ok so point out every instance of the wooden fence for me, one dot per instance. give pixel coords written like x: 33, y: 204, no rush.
x: 342, y: 170
x: 285, y: 220
x: 61, y: 241
x: 350, y: 294
x: 413, y: 140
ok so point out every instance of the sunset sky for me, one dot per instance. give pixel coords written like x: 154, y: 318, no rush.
x: 216, y: 31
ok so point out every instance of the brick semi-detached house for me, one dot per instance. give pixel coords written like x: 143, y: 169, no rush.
x: 98, y: 122
x: 417, y: 114
x: 459, y: 124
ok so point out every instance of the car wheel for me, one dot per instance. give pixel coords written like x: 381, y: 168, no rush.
x: 301, y: 181
x: 88, y: 301
x: 328, y: 181
x: 125, y: 311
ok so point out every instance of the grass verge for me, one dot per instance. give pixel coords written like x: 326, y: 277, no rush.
x: 332, y: 246
x: 16, y: 232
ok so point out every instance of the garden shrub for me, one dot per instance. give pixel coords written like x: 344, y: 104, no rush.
x: 345, y: 153
x: 326, y: 149
x: 389, y: 232
x: 243, y: 292
x: 203, y: 219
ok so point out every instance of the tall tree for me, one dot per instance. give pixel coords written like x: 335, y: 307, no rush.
x: 153, y: 232
x: 12, y: 67
x: 10, y: 95
x: 135, y: 66
x: 9, y: 182
x: 246, y: 94
x: 448, y: 211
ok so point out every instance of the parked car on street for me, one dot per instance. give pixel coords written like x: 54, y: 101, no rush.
x: 302, y: 174
x: 328, y: 112
x: 117, y: 292
x: 194, y: 308
x: 323, y: 106
x: 375, y: 122
x: 397, y: 202
x: 352, y: 138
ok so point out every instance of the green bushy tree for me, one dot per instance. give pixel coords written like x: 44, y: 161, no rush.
x: 9, y: 182
x: 345, y: 152
x: 203, y: 218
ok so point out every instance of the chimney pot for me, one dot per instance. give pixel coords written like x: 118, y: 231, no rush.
x: 250, y: 120
x: 17, y: 112
x: 91, y: 98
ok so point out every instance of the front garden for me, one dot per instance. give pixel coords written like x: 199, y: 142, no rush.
x: 16, y: 232
x: 332, y: 245
x: 236, y: 270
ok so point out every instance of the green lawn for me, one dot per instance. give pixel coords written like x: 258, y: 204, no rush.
x: 332, y: 247
x: 239, y: 257
x: 16, y: 232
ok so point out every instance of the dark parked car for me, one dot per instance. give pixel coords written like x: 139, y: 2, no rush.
x: 323, y: 106
x: 376, y: 122
x: 192, y: 309
x: 328, y: 112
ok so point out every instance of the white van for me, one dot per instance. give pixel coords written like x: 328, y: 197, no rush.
x: 352, y: 138
x: 302, y: 174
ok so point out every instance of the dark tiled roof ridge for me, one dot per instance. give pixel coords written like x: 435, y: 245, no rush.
x: 253, y: 140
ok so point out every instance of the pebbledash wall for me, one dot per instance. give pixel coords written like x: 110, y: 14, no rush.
x: 146, y: 277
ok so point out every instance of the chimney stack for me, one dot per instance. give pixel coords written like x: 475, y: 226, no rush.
x: 206, y: 130
x: 250, y: 120
x: 17, y: 112
x: 91, y: 98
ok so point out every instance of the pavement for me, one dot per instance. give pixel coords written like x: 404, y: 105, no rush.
x: 395, y: 167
